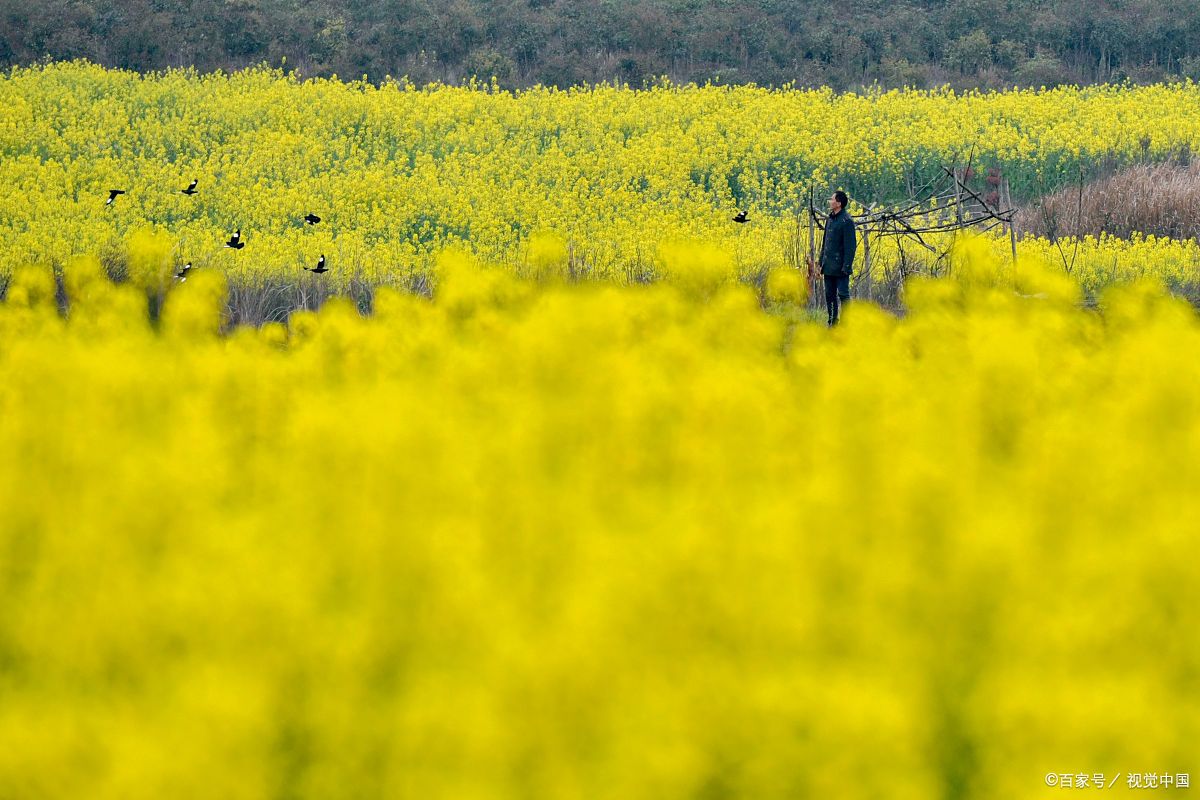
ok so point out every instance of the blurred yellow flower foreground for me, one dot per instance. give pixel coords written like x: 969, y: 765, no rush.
x: 553, y: 540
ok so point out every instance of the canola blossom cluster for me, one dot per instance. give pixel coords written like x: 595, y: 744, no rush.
x: 397, y: 173
x: 537, y: 538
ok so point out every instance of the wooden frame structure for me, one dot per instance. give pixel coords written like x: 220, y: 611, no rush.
x: 945, y: 204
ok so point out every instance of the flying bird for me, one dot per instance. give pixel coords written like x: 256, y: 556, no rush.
x: 112, y: 195
x: 235, y: 241
x: 191, y: 189
x: 741, y: 217
x: 320, y: 267
x: 311, y: 219
x: 182, y: 274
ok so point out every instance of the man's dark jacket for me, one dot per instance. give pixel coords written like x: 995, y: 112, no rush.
x: 837, y: 248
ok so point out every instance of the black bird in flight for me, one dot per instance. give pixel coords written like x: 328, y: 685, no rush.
x: 741, y: 217
x: 320, y: 267
x: 235, y: 241
x: 311, y: 219
x: 191, y: 188
x: 112, y: 195
x: 182, y: 274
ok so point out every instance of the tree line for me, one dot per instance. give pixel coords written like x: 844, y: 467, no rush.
x: 962, y: 43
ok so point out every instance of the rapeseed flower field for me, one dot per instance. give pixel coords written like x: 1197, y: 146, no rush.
x: 540, y: 539
x: 397, y: 173
x: 603, y: 513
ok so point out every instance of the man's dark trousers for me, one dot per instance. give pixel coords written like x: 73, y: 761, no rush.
x: 837, y: 291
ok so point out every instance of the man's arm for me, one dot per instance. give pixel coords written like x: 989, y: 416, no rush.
x: 849, y: 245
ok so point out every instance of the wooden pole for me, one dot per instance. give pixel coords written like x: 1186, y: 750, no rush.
x: 1012, y: 238
x: 796, y: 240
x: 957, y: 195
x: 957, y: 208
x: 1012, y: 228
x: 812, y: 249
x: 866, y: 240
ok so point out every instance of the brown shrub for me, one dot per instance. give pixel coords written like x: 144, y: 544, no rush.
x: 1159, y: 199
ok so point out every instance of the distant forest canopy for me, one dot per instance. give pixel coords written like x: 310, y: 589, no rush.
x: 963, y: 43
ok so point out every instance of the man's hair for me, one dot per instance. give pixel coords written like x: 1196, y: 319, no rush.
x: 840, y: 196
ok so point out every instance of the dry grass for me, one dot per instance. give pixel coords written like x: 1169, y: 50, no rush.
x: 1159, y: 199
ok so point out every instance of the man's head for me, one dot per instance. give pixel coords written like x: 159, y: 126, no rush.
x: 838, y: 201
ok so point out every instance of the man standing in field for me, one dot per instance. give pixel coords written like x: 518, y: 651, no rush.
x: 837, y: 254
